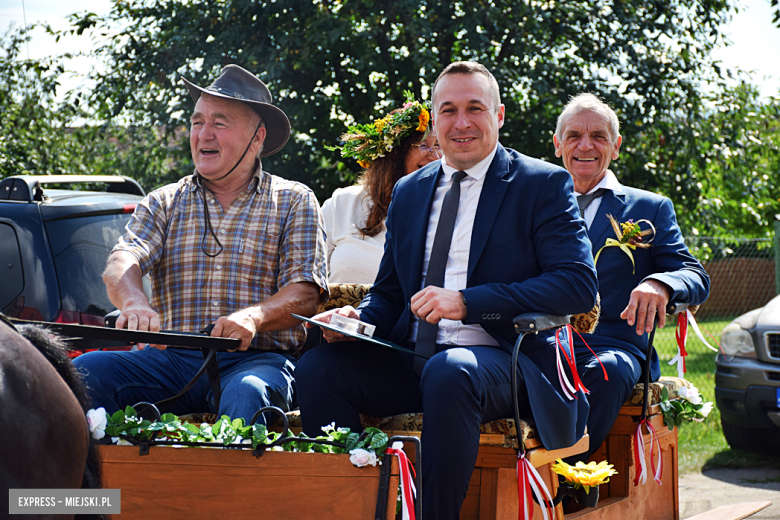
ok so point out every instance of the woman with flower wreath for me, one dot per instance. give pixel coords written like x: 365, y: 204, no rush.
x: 388, y: 149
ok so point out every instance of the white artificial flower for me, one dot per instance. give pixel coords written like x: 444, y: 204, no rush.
x: 97, y: 421
x: 706, y: 409
x: 120, y: 442
x: 360, y: 457
x: 691, y: 395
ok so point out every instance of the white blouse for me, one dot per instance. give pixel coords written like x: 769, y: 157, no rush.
x: 352, y: 256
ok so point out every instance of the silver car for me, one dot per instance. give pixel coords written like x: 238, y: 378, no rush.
x: 747, y: 380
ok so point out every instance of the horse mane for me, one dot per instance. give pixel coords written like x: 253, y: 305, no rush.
x: 54, y: 349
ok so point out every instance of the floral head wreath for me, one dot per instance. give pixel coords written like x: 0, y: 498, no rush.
x: 366, y: 143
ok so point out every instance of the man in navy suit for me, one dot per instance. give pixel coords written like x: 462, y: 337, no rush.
x: 517, y: 245
x: 587, y: 137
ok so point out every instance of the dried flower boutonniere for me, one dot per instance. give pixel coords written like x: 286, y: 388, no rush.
x: 629, y: 236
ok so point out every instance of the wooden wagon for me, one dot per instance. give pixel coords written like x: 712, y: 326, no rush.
x: 227, y: 483
x: 173, y: 482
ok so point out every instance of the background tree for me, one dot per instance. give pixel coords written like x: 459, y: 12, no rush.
x: 40, y: 135
x: 739, y: 143
x: 331, y: 62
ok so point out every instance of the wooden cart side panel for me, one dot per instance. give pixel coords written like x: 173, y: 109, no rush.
x: 176, y: 483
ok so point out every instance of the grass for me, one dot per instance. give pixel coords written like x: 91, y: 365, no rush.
x: 702, y: 445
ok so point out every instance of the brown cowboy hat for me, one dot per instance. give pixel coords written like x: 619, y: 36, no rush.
x: 237, y: 83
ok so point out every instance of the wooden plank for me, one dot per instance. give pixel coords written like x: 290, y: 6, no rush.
x: 485, y: 439
x: 636, y: 411
x: 507, y: 505
x: 487, y: 494
x: 219, y: 483
x: 539, y: 457
x: 609, y: 509
x: 646, y: 501
x: 626, y: 424
x: 733, y: 511
x: 239, y: 462
x: 495, y: 457
x: 471, y: 504
x: 619, y: 455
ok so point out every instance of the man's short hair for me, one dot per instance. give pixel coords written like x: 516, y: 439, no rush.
x: 471, y: 67
x: 588, y: 103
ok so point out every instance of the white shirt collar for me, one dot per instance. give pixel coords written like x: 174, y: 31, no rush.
x: 609, y: 181
x: 477, y: 171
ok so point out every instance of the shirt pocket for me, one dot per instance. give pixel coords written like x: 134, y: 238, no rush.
x: 258, y: 257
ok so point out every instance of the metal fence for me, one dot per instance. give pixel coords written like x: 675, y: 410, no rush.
x: 743, y: 274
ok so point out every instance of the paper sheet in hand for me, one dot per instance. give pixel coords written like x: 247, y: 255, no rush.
x: 359, y: 336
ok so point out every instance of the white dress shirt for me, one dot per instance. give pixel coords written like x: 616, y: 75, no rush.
x: 610, y: 182
x: 352, y: 256
x: 454, y: 332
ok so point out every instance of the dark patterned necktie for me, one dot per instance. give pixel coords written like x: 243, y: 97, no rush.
x: 427, y: 332
x: 583, y: 201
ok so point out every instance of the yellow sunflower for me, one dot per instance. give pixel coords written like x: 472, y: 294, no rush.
x: 585, y: 475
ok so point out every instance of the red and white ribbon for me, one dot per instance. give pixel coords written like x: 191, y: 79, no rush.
x: 681, y: 335
x: 406, y: 470
x: 569, y: 389
x: 695, y: 327
x: 529, y: 481
x: 639, y: 455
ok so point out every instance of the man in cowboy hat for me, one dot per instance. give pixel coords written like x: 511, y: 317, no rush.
x: 229, y: 245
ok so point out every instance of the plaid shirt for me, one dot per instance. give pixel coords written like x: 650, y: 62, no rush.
x: 272, y: 235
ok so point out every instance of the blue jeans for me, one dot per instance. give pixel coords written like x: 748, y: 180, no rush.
x: 250, y: 380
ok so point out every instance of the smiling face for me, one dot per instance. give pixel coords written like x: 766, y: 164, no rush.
x: 221, y: 130
x: 416, y: 160
x: 587, y: 148
x: 464, y: 118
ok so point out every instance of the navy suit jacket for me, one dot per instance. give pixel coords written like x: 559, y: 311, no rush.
x: 668, y: 261
x: 529, y: 253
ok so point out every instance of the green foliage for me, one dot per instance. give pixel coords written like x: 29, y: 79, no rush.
x: 226, y: 431
x: 737, y: 165
x: 367, y: 142
x: 41, y: 135
x: 332, y: 63
x: 677, y: 411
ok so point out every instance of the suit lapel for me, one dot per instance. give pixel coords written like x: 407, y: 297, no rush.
x: 493, y: 191
x: 426, y: 188
x: 601, y: 229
